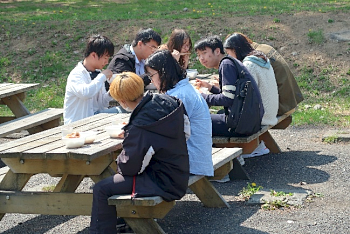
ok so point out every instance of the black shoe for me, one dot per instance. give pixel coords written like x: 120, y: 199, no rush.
x: 124, y: 228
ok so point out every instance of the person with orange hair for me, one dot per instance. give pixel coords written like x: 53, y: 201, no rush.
x: 154, y: 160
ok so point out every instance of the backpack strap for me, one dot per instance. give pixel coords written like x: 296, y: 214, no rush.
x: 241, y: 72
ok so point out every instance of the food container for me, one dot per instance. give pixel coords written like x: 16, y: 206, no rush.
x: 115, y: 131
x: 89, y: 136
x: 192, y: 73
x: 66, y: 130
x: 73, y: 142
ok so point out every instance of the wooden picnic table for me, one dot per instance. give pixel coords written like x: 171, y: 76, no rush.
x: 45, y: 152
x: 13, y: 96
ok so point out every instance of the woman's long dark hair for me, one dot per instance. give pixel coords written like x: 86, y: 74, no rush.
x: 176, y: 41
x: 169, y: 70
x: 241, y: 44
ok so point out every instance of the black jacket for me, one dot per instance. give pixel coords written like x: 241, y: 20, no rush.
x: 154, y: 148
x: 123, y: 61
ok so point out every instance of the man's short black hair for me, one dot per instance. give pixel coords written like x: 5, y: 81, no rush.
x: 145, y: 35
x: 212, y: 42
x: 101, y: 45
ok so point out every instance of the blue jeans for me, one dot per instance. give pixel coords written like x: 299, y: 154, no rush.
x: 219, y: 126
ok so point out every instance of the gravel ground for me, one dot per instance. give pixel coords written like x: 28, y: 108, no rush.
x: 322, y: 168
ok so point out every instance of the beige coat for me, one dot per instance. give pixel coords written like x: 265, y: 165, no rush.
x: 288, y: 89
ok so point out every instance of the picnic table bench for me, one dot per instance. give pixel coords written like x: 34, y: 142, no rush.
x: 140, y: 213
x: 13, y: 95
x: 249, y: 143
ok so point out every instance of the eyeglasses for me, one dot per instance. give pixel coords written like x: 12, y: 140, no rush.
x: 151, y: 75
x: 151, y: 46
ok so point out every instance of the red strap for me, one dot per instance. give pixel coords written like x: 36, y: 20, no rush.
x: 133, y: 188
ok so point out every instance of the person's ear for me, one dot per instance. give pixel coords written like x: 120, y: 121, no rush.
x: 139, y: 43
x: 94, y: 55
x: 217, y: 51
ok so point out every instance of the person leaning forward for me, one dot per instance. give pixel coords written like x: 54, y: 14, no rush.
x: 85, y: 97
x: 210, y: 53
x: 154, y: 160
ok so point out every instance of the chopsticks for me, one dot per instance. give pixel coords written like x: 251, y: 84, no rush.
x: 184, y: 53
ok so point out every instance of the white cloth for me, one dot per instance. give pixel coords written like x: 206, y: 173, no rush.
x: 84, y: 96
x: 265, y: 79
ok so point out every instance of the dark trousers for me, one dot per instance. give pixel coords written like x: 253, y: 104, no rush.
x: 104, y: 216
x: 219, y: 127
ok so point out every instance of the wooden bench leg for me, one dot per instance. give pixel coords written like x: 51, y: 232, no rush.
x: 14, y: 182
x: 270, y: 143
x: 208, y: 194
x: 222, y: 171
x: 284, y: 123
x: 68, y: 183
x: 238, y: 172
x: 144, y: 226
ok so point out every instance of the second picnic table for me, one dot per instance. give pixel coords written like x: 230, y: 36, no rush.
x: 12, y: 95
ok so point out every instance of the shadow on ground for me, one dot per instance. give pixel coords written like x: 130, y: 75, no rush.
x: 281, y: 170
x: 39, y: 224
x: 190, y: 217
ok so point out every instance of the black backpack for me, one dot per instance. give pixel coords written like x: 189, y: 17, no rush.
x: 245, y: 115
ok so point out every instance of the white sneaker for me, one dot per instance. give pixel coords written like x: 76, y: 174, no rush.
x: 241, y: 160
x: 260, y: 150
x: 223, y: 180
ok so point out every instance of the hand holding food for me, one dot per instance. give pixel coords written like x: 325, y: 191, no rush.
x: 215, y: 83
x: 201, y: 83
x: 108, y: 73
x: 121, y: 135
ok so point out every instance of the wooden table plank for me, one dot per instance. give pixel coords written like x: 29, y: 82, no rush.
x: 58, y: 149
x: 9, y: 89
x: 222, y: 154
x: 60, y: 167
x: 45, y: 203
x: 29, y: 121
x: 51, y: 139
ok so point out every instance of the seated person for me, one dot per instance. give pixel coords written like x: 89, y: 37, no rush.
x: 84, y: 96
x: 132, y: 57
x: 288, y: 90
x: 154, y: 159
x: 168, y: 77
x: 180, y: 45
x: 211, y: 54
x: 237, y: 46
